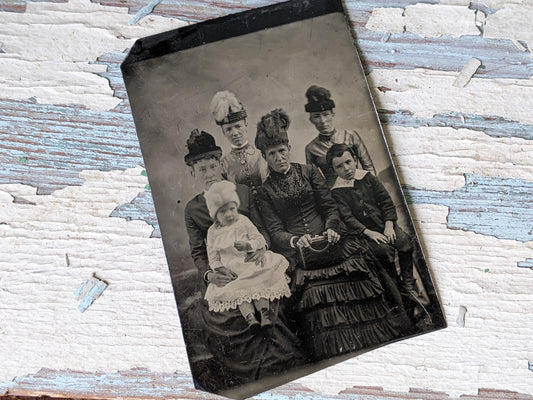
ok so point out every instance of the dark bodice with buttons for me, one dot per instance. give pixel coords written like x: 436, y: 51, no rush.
x: 295, y: 204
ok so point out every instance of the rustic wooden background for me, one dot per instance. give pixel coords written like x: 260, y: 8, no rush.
x: 75, y: 201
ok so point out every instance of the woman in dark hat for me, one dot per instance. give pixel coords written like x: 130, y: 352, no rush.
x: 340, y: 302
x: 223, y: 351
x: 320, y: 107
x: 244, y: 163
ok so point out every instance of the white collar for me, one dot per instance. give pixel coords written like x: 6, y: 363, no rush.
x: 239, y: 147
x: 342, y: 183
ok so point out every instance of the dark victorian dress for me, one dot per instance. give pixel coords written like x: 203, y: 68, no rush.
x: 340, y: 307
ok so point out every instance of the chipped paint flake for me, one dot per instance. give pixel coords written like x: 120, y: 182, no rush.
x: 519, y: 45
x: 467, y: 72
x: 88, y: 292
x: 143, y: 12
x: 461, y: 316
x: 528, y: 263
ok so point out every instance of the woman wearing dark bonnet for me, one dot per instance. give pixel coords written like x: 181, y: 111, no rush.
x: 339, y: 305
x: 224, y: 352
x: 320, y: 107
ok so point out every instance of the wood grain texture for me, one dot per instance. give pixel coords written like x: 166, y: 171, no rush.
x: 72, y: 183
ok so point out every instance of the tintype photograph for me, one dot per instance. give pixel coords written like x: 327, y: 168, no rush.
x: 288, y: 239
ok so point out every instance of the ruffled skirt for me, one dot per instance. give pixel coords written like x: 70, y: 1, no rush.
x: 342, y: 308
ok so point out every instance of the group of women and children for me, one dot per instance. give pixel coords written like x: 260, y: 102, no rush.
x: 271, y: 302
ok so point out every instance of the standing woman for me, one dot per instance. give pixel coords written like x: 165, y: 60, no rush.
x: 320, y: 107
x: 339, y: 305
x: 244, y: 163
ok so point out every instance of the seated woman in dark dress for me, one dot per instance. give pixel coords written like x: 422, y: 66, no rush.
x: 340, y: 306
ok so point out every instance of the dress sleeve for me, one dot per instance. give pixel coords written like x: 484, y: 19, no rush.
x: 355, y: 226
x: 278, y: 235
x: 250, y: 208
x: 383, y: 199
x: 196, y: 243
x: 309, y: 159
x: 326, y: 204
x: 362, y: 153
x: 212, y: 252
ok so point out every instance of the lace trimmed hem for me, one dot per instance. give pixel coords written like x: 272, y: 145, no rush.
x: 270, y: 295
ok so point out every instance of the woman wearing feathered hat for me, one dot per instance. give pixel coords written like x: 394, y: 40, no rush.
x: 320, y: 107
x: 333, y: 298
x: 244, y: 163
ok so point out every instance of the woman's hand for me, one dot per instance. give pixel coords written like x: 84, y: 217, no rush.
x: 221, y: 276
x: 333, y: 237
x: 377, y: 237
x: 303, y: 241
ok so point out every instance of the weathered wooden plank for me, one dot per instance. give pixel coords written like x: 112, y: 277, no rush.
x: 48, y: 146
x: 496, y: 207
x: 145, y: 384
x: 426, y: 93
x: 492, y: 125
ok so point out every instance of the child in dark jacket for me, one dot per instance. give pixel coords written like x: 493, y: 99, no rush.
x: 367, y: 209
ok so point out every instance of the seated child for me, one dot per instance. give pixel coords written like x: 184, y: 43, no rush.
x: 367, y: 209
x: 229, y: 239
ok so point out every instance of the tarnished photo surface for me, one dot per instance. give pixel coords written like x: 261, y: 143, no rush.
x: 289, y: 243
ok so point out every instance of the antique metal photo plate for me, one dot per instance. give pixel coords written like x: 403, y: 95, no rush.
x: 289, y: 243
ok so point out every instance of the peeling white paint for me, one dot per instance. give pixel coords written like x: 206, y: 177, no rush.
x: 436, y: 158
x: 133, y: 324
x: 426, y: 20
x: 137, y: 317
x: 426, y: 93
x: 51, y: 61
x: 386, y: 20
x: 512, y: 22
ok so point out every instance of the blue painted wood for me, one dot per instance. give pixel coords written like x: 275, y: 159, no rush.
x: 114, y: 76
x: 500, y: 58
x: 492, y: 125
x: 198, y: 10
x: 47, y: 146
x: 142, y: 383
x: 498, y: 207
x: 140, y: 208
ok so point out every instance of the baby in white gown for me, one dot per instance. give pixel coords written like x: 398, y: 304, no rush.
x: 229, y: 239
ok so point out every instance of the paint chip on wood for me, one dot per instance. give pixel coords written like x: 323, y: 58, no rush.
x: 466, y: 74
x: 519, y: 45
x: 143, y: 12
x: 528, y: 263
x: 530, y: 365
x: 89, y: 291
x: 461, y: 316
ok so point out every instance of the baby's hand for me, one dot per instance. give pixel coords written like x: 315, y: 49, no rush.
x: 242, y: 245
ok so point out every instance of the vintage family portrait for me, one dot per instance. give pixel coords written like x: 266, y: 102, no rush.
x: 289, y: 242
